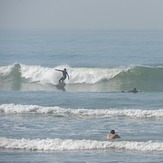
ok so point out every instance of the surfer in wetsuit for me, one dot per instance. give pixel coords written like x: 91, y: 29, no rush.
x: 134, y: 90
x: 65, y: 74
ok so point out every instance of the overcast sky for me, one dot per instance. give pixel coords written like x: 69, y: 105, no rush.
x: 82, y: 14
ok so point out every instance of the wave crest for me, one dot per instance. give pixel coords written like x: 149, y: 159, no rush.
x: 21, y: 76
x: 69, y: 144
x: 58, y: 111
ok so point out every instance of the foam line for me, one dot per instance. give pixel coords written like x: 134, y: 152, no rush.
x: 58, y: 111
x: 69, y: 144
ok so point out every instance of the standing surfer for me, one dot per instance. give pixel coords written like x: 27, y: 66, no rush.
x: 65, y: 74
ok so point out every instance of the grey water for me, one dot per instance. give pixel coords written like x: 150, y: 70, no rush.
x: 41, y: 123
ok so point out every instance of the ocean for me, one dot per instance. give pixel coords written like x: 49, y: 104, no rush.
x: 41, y: 122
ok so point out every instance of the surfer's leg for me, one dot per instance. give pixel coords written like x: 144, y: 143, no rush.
x: 61, y: 79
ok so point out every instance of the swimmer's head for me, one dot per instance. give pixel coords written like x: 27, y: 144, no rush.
x: 112, y: 132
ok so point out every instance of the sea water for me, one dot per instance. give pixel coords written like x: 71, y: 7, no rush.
x: 40, y: 122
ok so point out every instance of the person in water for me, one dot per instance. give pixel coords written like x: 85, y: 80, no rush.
x: 113, y: 135
x: 133, y: 90
x: 65, y: 75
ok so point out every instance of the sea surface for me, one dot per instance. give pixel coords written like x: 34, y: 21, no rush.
x: 41, y: 122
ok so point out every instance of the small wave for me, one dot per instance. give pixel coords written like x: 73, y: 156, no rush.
x: 69, y: 144
x: 58, y: 111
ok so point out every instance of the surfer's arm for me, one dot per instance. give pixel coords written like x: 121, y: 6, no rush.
x: 58, y: 70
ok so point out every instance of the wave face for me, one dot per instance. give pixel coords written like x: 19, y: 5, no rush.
x: 99, y: 113
x: 25, y: 77
x: 69, y: 144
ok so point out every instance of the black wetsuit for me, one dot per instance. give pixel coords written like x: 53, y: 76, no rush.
x: 65, y: 74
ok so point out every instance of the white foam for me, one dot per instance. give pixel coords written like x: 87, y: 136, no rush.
x: 5, y: 70
x: 69, y: 144
x: 39, y: 74
x: 93, y: 75
x: 47, y: 75
x: 58, y: 111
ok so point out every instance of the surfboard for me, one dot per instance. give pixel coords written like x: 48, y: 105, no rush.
x: 62, y: 84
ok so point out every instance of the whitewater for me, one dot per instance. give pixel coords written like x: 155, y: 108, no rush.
x: 61, y: 145
x: 92, y: 113
x: 58, y: 144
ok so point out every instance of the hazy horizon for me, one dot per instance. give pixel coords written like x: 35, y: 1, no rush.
x: 82, y: 14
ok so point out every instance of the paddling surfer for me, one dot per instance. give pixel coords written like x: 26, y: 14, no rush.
x: 132, y: 91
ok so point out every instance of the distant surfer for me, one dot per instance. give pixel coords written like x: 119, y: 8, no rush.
x: 113, y: 135
x: 65, y: 75
x: 132, y: 91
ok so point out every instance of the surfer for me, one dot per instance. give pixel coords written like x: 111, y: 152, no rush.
x: 113, y: 135
x: 134, y: 90
x: 65, y: 74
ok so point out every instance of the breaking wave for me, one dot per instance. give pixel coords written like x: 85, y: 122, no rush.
x: 69, y: 144
x: 58, y: 111
x: 26, y: 77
